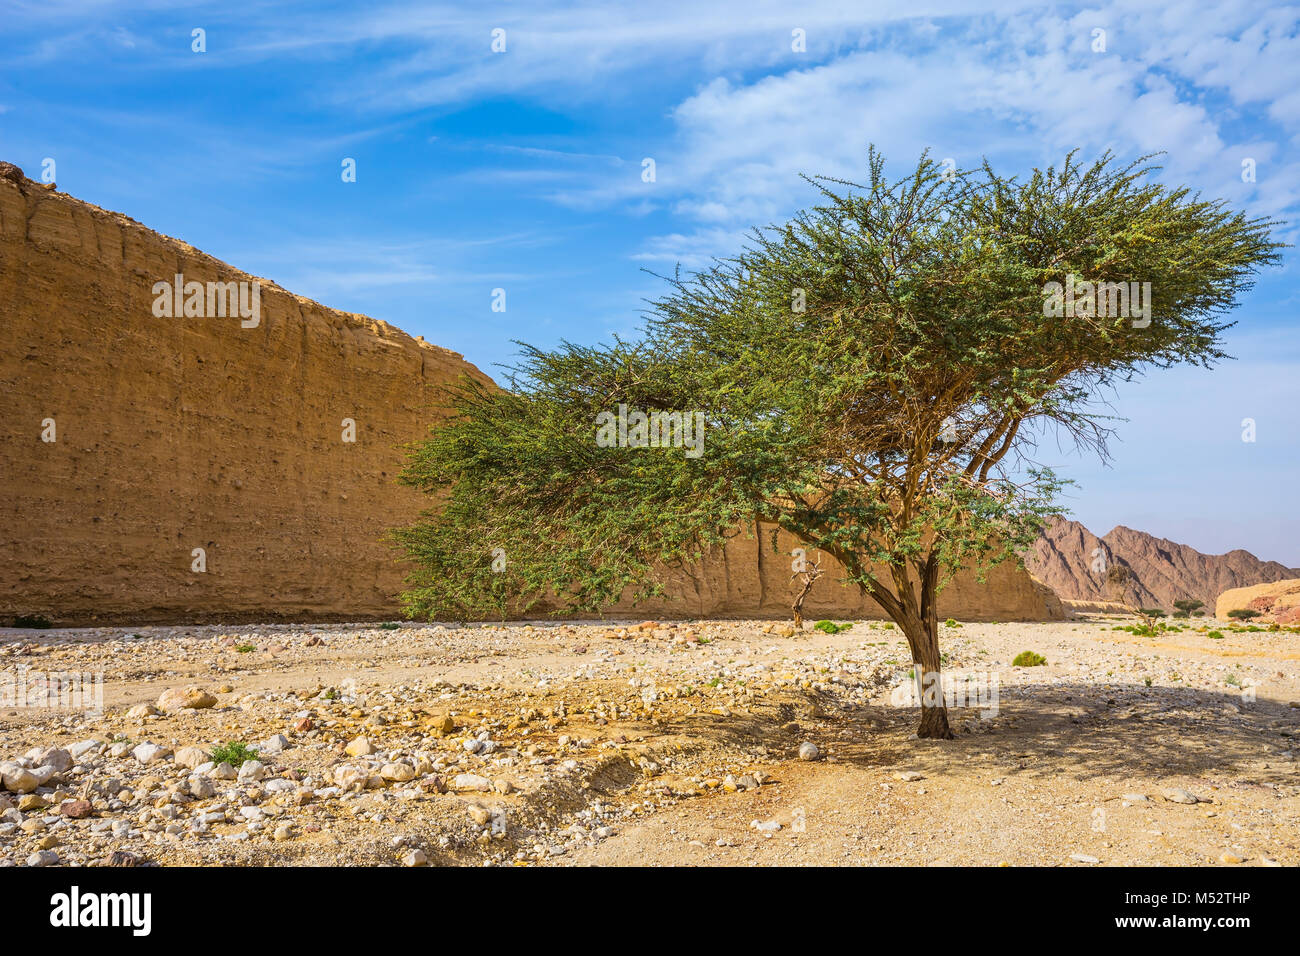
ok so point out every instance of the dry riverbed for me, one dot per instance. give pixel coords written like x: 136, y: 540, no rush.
x: 710, y: 743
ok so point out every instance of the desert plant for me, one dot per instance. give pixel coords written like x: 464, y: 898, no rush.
x: 245, y: 648
x: 1186, y: 606
x: 1243, y: 614
x: 830, y: 627
x: 866, y: 375
x: 235, y: 754
x: 1029, y: 659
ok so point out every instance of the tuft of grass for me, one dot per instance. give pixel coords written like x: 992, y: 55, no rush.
x: 830, y: 627
x: 32, y: 620
x: 390, y: 625
x: 233, y: 753
x: 1029, y: 659
x: 951, y: 623
x: 1215, y: 635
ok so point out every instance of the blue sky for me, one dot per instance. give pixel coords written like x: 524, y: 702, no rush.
x: 522, y: 169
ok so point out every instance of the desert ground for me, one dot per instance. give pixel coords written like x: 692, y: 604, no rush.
x: 649, y: 743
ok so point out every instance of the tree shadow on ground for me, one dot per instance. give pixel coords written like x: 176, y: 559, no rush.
x: 1079, y: 729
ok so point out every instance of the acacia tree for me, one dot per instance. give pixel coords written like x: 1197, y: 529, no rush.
x: 874, y: 376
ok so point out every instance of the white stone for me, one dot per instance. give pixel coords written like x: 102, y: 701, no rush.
x: 148, y: 753
x: 191, y: 757
x: 397, y: 772
x: 19, y: 779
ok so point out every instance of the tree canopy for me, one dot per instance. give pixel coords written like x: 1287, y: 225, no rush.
x: 873, y: 376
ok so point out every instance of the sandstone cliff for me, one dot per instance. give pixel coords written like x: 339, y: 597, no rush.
x: 179, y: 433
x: 1276, y: 601
x: 1162, y: 570
x: 751, y: 579
x: 175, y: 434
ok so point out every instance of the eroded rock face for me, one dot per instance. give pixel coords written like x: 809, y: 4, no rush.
x: 176, y: 434
x: 173, y: 434
x: 752, y: 579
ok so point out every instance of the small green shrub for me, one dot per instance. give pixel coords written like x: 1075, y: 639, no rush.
x: 951, y: 623
x: 1243, y: 614
x: 1215, y: 635
x: 245, y: 648
x: 390, y: 625
x: 830, y: 627
x: 235, y: 754
x: 1029, y: 659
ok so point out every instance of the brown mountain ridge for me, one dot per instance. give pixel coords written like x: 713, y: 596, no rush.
x: 1073, y: 561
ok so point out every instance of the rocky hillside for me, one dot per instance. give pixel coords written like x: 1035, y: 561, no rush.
x: 158, y: 465
x: 1073, y: 561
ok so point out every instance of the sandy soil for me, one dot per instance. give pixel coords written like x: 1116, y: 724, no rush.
x: 666, y: 745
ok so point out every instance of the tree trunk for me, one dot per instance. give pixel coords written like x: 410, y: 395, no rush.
x: 922, y: 630
x: 797, y: 607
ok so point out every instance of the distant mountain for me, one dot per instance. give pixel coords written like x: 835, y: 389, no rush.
x: 1066, y: 557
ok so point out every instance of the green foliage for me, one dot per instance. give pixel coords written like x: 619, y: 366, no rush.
x: 245, y: 648
x: 1187, y: 605
x: 1215, y: 635
x: 390, y: 625
x: 1243, y: 614
x: 830, y: 627
x: 1152, y: 612
x: 951, y: 623
x: 873, y: 424
x: 32, y: 620
x: 1029, y: 659
x: 233, y: 753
